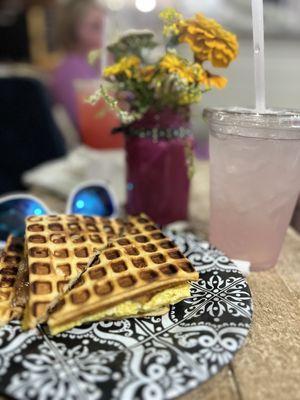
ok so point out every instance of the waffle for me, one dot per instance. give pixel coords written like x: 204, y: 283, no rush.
x: 9, y: 262
x: 21, y: 287
x: 134, y: 268
x: 59, y: 248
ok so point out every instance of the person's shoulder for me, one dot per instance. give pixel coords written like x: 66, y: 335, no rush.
x: 70, y: 64
x: 71, y: 60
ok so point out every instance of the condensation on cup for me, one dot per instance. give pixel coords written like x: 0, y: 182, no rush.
x: 254, y: 181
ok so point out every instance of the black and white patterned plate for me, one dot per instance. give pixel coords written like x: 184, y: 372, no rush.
x: 151, y: 358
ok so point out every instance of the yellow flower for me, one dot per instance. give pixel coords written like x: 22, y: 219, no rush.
x: 186, y: 98
x: 209, y: 41
x: 192, y: 73
x: 147, y: 73
x: 173, y: 21
x: 127, y: 66
x: 217, y: 81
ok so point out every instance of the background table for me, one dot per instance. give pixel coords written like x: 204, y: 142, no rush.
x: 268, y: 366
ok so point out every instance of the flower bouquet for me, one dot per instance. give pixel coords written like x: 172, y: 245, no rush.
x: 152, y: 87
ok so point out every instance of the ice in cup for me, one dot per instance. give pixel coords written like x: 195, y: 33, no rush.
x: 254, y: 181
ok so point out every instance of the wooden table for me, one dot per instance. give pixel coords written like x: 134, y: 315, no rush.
x: 268, y: 366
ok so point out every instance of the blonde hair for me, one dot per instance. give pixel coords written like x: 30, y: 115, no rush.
x: 72, y: 13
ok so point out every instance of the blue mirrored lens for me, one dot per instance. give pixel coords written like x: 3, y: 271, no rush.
x: 13, y: 213
x: 93, y: 200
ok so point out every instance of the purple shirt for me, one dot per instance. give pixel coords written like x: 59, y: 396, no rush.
x: 74, y: 66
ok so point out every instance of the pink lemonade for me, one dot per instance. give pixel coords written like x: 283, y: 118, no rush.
x: 255, y: 182
x: 96, y: 121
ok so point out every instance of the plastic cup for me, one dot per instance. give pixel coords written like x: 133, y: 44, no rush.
x: 254, y: 181
x: 96, y: 122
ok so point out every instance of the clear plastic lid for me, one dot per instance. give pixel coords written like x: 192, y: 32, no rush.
x: 275, y: 124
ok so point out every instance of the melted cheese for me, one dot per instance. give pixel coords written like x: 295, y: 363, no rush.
x: 134, y: 307
x: 131, y: 308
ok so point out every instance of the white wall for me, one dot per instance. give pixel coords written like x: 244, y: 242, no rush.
x: 282, y: 79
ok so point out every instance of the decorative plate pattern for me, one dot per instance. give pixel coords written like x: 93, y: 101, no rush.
x: 150, y: 358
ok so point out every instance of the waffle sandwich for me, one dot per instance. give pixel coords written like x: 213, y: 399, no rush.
x: 137, y: 275
x: 59, y: 248
x: 77, y: 269
x: 10, y: 260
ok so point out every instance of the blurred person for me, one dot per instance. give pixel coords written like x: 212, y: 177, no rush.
x: 14, y: 44
x: 80, y: 32
x: 29, y: 135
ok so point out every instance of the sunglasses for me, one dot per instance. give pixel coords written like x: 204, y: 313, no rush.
x: 92, y: 198
x: 89, y: 198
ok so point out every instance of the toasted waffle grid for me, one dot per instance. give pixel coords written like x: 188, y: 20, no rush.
x: 59, y: 248
x: 130, y: 267
x: 9, y: 261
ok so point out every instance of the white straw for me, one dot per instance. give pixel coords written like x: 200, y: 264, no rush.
x: 259, y: 54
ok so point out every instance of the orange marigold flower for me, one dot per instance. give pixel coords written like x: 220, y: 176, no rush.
x: 147, y: 73
x: 209, y: 41
x: 211, y: 80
